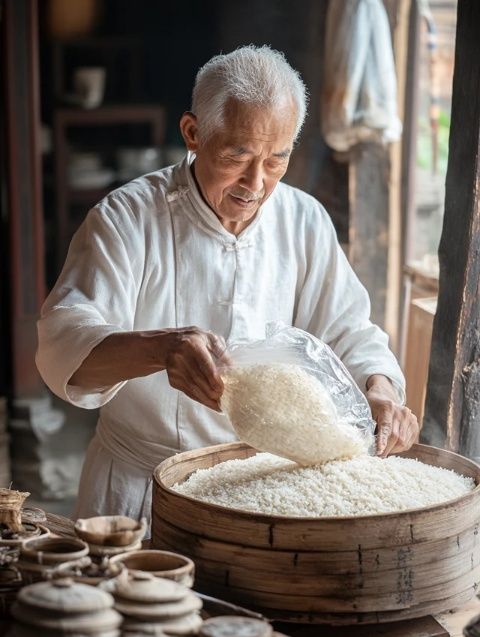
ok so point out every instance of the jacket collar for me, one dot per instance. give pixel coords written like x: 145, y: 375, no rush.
x: 206, y: 216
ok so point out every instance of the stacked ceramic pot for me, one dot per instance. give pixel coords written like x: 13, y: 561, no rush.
x: 234, y: 626
x: 165, y: 564
x: 44, y: 558
x: 109, y: 535
x: 10, y: 578
x: 93, y: 573
x: 64, y: 608
x: 156, y: 606
x: 11, y: 541
x: 29, y: 531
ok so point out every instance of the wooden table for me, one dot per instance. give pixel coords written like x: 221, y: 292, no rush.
x: 443, y: 625
x: 448, y: 624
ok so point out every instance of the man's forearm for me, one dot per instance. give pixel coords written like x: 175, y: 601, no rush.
x: 121, y: 357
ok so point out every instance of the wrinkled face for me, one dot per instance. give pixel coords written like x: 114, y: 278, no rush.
x: 238, y: 167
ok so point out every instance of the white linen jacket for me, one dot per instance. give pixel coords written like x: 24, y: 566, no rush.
x: 153, y: 255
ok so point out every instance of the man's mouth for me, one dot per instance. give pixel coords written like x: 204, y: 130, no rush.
x: 244, y: 202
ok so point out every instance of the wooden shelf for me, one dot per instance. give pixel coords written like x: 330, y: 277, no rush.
x: 89, y: 195
x: 111, y: 114
x: 67, y: 118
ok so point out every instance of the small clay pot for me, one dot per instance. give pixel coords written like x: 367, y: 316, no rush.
x: 41, y: 557
x: 100, y: 550
x: 94, y: 573
x: 174, y: 566
x: 111, y: 530
x: 53, y: 550
x: 30, y: 530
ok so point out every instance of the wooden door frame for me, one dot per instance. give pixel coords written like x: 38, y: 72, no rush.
x: 452, y: 410
x: 22, y: 203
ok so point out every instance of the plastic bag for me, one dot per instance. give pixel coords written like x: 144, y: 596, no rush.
x: 290, y: 395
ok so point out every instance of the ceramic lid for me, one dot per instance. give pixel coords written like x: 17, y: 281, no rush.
x: 65, y: 596
x: 93, y: 623
x: 232, y: 626
x: 186, y: 625
x: 143, y: 587
x: 159, y: 612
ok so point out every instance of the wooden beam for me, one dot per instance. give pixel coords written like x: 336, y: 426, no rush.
x: 452, y: 412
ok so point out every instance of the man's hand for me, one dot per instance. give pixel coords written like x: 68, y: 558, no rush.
x: 397, y: 426
x: 190, y: 356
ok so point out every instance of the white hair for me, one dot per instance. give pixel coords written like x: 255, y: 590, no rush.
x: 259, y: 76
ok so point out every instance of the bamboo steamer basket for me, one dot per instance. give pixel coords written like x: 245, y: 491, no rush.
x: 343, y: 570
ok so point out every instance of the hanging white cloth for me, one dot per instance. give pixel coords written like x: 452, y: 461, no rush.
x: 359, y: 100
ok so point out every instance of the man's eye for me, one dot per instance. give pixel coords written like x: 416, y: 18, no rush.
x: 277, y: 164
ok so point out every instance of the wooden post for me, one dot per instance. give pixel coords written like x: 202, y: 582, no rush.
x: 376, y: 212
x: 30, y: 410
x: 368, y: 240
x: 23, y: 197
x: 408, y: 169
x: 397, y: 211
x: 452, y: 413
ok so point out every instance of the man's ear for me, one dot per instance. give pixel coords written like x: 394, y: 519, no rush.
x: 189, y: 130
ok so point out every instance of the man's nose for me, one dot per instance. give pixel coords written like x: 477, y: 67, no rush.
x: 252, y: 178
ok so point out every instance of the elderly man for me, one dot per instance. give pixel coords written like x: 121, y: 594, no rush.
x: 215, y: 242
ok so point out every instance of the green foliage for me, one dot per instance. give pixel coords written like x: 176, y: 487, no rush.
x: 424, y: 142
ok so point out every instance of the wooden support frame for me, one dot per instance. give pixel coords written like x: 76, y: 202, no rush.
x: 377, y: 213
x: 452, y: 412
x: 24, y: 189
x: 368, y: 245
x: 397, y: 211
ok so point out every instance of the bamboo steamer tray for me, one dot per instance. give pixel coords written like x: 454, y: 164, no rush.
x: 342, y: 570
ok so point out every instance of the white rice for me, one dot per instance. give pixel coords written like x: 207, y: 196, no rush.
x: 359, y: 486
x: 282, y: 409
